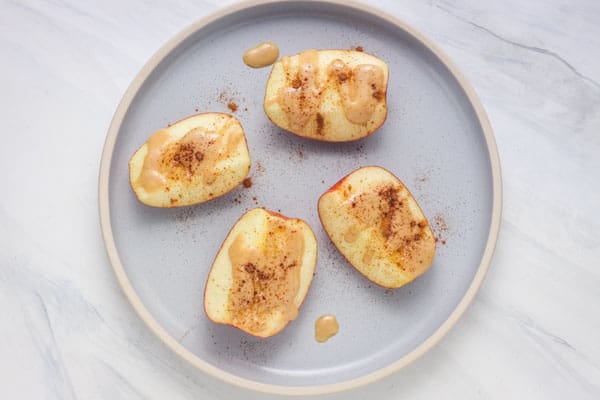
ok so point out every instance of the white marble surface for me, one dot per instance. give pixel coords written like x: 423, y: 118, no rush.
x: 67, y: 330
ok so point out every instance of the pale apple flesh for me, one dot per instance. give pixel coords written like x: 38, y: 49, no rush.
x: 262, y: 273
x: 192, y: 161
x: 377, y: 225
x: 328, y: 95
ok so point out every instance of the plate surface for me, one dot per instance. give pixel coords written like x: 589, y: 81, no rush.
x: 436, y: 140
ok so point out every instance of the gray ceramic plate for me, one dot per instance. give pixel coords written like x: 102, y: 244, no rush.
x: 436, y: 139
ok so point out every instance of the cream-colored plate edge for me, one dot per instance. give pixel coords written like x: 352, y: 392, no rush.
x: 142, y: 311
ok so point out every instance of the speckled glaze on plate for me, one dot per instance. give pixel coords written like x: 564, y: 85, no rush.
x: 436, y: 139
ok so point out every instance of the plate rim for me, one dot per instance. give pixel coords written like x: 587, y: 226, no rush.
x: 196, y: 361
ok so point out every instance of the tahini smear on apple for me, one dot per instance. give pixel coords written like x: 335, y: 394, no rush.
x: 328, y: 95
x: 192, y: 161
x: 262, y: 273
x: 377, y: 225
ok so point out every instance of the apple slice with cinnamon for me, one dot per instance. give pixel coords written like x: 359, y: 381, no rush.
x: 328, y: 95
x: 377, y: 225
x: 192, y: 161
x: 262, y: 273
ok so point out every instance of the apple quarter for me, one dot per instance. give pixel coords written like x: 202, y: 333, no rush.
x: 192, y: 161
x: 262, y: 273
x: 328, y: 95
x: 377, y: 225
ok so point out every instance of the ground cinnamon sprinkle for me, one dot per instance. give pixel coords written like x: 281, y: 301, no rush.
x: 232, y: 106
x: 229, y: 101
x: 320, y: 124
x: 186, y: 156
x: 440, y: 229
x: 260, y: 169
x: 440, y: 223
x: 184, y: 215
x: 357, y: 48
x: 247, y: 182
